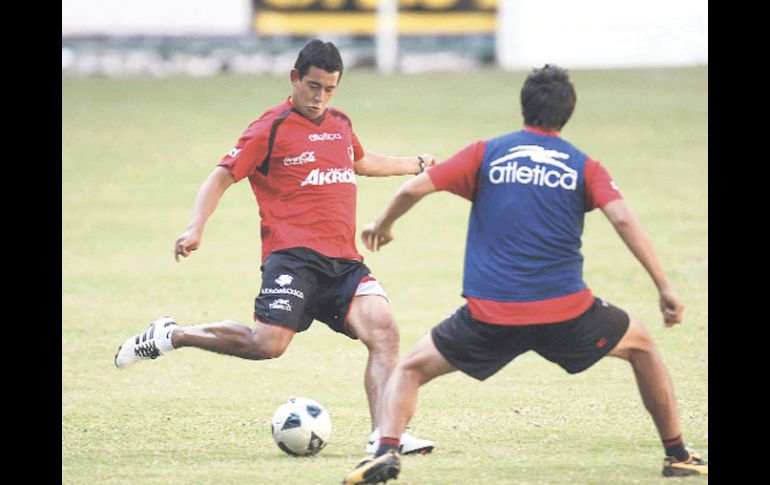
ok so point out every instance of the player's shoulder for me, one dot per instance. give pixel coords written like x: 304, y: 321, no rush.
x: 277, y: 111
x: 266, y: 120
x: 339, y: 115
x: 577, y: 151
x: 504, y: 141
x: 556, y: 141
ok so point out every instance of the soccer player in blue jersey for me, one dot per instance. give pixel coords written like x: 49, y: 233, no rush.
x: 523, y: 274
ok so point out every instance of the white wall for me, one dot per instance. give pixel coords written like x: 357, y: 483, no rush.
x: 602, y: 33
x: 155, y: 17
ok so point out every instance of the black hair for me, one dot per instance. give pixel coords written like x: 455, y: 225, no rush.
x: 323, y: 55
x: 548, y: 98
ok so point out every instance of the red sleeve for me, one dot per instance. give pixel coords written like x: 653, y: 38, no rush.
x: 249, y: 152
x: 358, y: 150
x: 600, y: 188
x: 458, y: 174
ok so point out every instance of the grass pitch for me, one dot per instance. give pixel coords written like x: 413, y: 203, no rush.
x: 134, y: 154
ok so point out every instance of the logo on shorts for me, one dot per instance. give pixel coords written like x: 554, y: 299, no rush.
x: 284, y: 280
x: 283, y: 291
x: 281, y: 304
x: 234, y: 152
x: 601, y: 343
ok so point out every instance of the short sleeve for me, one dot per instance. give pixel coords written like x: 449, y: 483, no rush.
x: 358, y: 150
x: 458, y: 174
x: 600, y: 188
x: 249, y: 152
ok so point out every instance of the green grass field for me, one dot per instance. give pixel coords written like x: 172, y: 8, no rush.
x: 134, y: 154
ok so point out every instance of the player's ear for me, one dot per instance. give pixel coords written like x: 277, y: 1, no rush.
x: 294, y: 75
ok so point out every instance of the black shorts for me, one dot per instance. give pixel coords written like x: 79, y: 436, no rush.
x: 481, y: 349
x: 300, y: 285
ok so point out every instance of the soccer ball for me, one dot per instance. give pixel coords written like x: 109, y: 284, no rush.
x: 301, y: 427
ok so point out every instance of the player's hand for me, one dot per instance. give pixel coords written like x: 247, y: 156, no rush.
x: 375, y: 237
x: 186, y: 243
x: 671, y: 306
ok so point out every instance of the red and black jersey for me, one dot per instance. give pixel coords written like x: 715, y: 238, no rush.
x: 302, y: 175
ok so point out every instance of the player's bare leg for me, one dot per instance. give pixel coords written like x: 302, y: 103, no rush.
x: 232, y: 338
x: 652, y: 377
x: 373, y: 323
x: 423, y: 363
x: 226, y: 337
x: 657, y: 391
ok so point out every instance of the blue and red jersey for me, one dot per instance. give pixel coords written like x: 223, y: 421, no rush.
x: 530, y: 191
x: 303, y: 177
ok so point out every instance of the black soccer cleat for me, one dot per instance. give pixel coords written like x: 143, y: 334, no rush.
x: 375, y: 470
x: 694, y: 465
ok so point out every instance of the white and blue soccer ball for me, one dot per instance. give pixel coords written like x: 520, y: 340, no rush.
x: 301, y: 426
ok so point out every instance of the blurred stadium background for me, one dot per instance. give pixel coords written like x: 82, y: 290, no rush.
x: 210, y: 37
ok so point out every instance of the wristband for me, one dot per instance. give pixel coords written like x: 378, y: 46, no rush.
x: 422, y: 165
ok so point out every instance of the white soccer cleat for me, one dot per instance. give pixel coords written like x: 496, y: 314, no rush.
x: 410, y: 445
x: 150, y: 344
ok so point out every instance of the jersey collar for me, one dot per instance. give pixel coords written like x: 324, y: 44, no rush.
x: 316, y: 121
x: 541, y: 132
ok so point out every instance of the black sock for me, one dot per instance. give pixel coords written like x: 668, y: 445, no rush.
x: 387, y: 444
x: 675, y: 447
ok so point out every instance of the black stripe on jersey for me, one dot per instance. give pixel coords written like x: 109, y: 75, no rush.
x: 265, y: 165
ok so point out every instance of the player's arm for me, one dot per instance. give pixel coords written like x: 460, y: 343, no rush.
x: 638, y: 241
x: 378, y: 165
x: 379, y: 232
x: 212, y: 189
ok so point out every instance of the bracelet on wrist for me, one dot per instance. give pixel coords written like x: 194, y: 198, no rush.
x: 422, y: 164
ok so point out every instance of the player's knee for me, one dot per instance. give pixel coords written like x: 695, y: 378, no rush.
x: 643, y: 351
x: 262, y: 350
x: 414, y: 370
x: 266, y: 343
x: 273, y: 349
x: 637, y: 342
x: 643, y: 339
x: 409, y: 365
x: 382, y: 332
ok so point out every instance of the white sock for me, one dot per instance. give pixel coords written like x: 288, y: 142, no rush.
x: 164, y: 342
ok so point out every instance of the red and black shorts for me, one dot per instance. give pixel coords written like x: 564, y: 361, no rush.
x: 481, y: 349
x: 300, y: 285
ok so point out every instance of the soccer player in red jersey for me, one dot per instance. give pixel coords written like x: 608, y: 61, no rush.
x: 301, y: 159
x: 523, y: 274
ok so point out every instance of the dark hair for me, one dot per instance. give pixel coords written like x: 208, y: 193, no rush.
x: 323, y: 55
x: 548, y: 98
